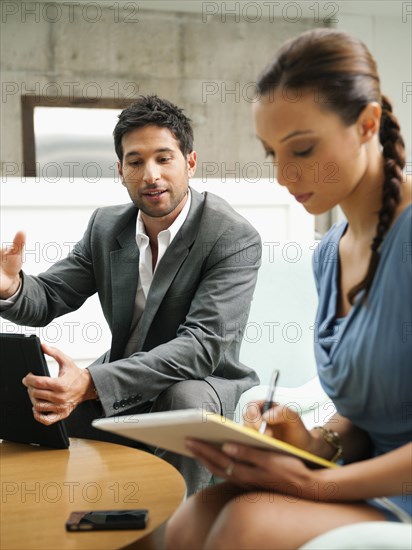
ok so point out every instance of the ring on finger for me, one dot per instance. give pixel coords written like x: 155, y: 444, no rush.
x: 229, y: 469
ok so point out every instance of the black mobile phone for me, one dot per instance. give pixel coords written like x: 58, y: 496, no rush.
x: 101, y: 520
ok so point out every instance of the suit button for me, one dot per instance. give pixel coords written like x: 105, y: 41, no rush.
x: 116, y: 405
x: 123, y: 403
x: 130, y: 401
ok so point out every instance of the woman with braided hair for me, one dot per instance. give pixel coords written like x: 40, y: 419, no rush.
x: 335, y: 141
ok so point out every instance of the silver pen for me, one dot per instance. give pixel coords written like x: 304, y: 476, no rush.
x: 269, y: 401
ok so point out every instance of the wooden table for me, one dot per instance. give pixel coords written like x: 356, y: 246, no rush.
x: 41, y: 487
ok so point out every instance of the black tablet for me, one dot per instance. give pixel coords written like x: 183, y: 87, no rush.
x: 19, y: 355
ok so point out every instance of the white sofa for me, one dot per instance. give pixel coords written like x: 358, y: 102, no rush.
x: 280, y: 332
x: 55, y: 215
x: 371, y: 535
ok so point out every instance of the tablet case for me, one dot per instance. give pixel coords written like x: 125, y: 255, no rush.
x: 19, y: 355
x: 170, y: 429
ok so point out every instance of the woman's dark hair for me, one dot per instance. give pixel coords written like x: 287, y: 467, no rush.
x: 342, y: 73
x: 151, y: 110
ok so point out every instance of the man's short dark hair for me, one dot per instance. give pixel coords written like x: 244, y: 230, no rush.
x: 152, y: 110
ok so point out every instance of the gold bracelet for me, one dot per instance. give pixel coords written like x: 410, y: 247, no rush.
x: 333, y: 439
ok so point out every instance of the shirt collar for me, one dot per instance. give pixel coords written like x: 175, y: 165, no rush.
x: 172, y: 230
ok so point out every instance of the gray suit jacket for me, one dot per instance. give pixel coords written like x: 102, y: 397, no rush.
x: 195, y: 313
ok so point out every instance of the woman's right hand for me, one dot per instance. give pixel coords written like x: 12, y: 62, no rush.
x: 283, y: 423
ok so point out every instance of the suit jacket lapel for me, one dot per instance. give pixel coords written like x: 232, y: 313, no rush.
x: 124, y: 266
x: 170, y: 264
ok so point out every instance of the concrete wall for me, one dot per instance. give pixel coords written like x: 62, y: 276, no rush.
x: 389, y: 38
x: 203, y: 61
x: 202, y: 55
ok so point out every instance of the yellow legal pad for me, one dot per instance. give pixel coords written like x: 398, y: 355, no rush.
x: 169, y: 430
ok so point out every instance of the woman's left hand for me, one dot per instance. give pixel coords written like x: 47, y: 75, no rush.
x: 247, y: 466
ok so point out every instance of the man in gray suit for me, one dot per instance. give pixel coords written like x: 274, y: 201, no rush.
x: 175, y: 272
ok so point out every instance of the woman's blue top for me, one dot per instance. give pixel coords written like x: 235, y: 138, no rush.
x: 364, y: 360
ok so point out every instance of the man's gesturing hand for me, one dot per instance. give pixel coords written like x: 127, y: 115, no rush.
x: 54, y: 399
x: 11, y: 262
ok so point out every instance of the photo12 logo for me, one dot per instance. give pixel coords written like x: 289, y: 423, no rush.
x: 253, y: 12
x: 69, y: 12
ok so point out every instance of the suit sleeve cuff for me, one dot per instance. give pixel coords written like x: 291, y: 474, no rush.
x: 9, y: 302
